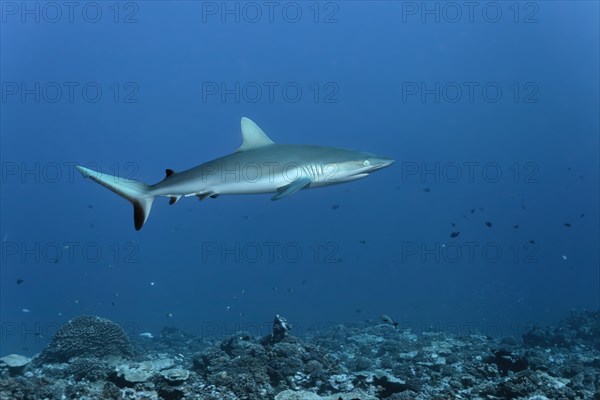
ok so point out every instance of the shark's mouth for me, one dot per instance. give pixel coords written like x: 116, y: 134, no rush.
x: 357, y: 176
x: 376, y: 167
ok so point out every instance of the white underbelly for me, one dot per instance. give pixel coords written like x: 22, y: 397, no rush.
x: 248, y: 186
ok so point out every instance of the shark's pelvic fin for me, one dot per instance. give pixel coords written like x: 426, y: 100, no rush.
x: 252, y: 136
x: 202, y: 196
x: 292, y: 188
x: 136, y: 192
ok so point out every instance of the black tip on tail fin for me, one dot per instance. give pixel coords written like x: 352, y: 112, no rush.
x: 141, y: 211
x: 138, y: 193
x: 139, y: 216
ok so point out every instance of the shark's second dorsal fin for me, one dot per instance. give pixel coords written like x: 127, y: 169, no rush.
x: 252, y: 136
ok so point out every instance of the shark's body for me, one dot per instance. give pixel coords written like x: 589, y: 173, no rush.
x: 258, y: 166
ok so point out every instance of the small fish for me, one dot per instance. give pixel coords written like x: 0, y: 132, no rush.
x: 532, y: 241
x: 568, y: 225
x: 358, y: 310
x: 91, y: 225
x: 26, y: 310
x: 152, y: 283
x: 427, y: 190
x: 19, y: 281
x: 147, y: 335
x: 335, y: 206
x: 472, y: 210
x: 452, y: 224
x: 488, y: 224
x: 564, y: 257
x: 169, y: 315
x: 90, y: 206
x: 388, y: 320
x: 363, y: 241
x: 516, y: 226
x: 581, y: 215
x: 454, y: 234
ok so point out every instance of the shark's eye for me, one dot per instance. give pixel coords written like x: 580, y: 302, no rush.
x: 366, y: 163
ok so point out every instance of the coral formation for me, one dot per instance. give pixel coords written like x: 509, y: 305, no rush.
x: 361, y: 361
x: 87, y: 336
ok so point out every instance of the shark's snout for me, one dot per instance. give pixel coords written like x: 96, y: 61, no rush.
x: 381, y: 162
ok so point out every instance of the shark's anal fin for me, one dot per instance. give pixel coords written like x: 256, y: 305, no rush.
x: 174, y: 199
x: 292, y: 188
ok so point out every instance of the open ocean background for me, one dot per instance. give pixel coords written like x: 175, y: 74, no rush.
x: 160, y: 85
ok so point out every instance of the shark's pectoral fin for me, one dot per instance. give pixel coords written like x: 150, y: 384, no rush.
x: 292, y: 188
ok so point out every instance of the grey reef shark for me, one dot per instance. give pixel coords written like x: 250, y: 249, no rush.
x: 258, y: 166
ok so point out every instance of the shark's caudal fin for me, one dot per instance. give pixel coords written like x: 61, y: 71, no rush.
x: 136, y: 192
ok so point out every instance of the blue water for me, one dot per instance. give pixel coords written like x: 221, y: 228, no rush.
x: 480, y: 111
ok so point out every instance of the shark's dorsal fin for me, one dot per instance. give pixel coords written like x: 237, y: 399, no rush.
x: 252, y: 136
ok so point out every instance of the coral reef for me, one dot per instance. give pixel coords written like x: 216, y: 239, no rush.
x: 87, y: 336
x: 361, y: 361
